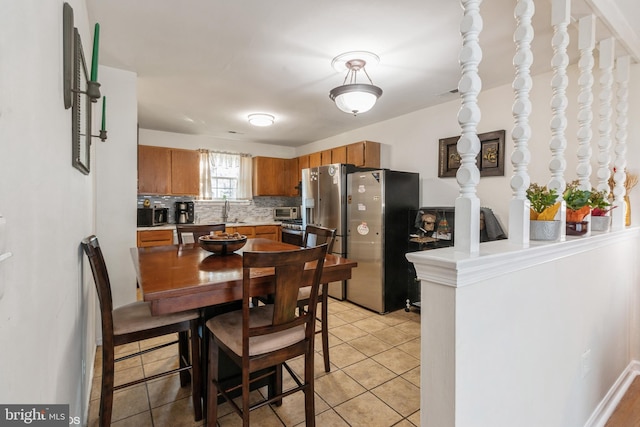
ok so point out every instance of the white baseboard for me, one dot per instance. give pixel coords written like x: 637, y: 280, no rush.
x: 610, y: 401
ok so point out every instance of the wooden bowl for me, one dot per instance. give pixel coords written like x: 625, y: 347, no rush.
x: 222, y: 245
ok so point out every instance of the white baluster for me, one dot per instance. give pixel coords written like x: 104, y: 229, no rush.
x: 521, y: 133
x: 620, y: 162
x: 560, y: 16
x: 607, y: 48
x: 467, y: 205
x: 586, y: 44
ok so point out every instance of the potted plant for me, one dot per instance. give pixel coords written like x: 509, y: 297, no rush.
x: 544, y: 206
x: 578, y: 207
x: 600, y: 207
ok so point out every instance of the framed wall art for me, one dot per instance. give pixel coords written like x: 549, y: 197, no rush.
x: 490, y: 160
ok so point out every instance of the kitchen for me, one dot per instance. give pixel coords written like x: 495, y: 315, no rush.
x: 103, y: 202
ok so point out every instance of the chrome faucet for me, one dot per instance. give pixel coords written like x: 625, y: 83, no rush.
x: 225, y: 211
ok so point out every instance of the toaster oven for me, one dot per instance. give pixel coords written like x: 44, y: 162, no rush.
x: 288, y: 212
x: 151, y: 217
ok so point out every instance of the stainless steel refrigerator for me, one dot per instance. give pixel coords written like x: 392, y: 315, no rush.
x: 378, y: 203
x: 324, y: 193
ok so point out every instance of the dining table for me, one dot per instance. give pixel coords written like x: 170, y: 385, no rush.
x: 183, y: 277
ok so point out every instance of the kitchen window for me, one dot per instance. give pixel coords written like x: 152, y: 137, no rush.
x: 225, y: 176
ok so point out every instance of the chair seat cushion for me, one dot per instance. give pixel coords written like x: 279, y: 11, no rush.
x: 227, y: 328
x: 137, y: 316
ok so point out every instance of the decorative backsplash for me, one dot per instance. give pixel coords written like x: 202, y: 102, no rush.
x: 260, y: 209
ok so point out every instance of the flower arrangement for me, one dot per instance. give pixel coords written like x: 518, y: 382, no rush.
x: 544, y: 202
x: 599, y: 202
x: 577, y: 201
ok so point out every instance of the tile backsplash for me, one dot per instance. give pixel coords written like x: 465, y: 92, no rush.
x: 260, y: 209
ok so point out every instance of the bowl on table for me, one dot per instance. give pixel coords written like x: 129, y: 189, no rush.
x: 222, y: 244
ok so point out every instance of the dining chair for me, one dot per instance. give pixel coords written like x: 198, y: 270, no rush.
x: 265, y: 337
x: 189, y: 233
x: 134, y: 322
x: 316, y: 235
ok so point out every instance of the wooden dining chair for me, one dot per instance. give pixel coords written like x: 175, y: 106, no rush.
x: 265, y: 337
x: 189, y: 233
x: 134, y: 322
x: 316, y: 235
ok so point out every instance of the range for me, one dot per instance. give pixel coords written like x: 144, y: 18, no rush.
x: 292, y: 224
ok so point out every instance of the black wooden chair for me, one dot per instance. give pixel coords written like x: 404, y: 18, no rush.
x: 265, y: 337
x: 189, y: 233
x: 134, y: 322
x: 316, y: 235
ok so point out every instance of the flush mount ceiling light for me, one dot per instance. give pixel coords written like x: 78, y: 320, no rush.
x: 261, y: 119
x: 353, y: 97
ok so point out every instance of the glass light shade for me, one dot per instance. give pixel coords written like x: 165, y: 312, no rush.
x: 261, y: 119
x: 355, y: 98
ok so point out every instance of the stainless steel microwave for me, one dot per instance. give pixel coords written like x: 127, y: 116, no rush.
x: 151, y: 217
x: 287, y: 212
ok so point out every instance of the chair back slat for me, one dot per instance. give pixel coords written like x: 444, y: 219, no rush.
x: 189, y: 233
x: 315, y: 235
x: 289, y: 268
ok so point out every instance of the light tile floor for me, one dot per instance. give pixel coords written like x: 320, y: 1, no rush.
x: 374, y: 379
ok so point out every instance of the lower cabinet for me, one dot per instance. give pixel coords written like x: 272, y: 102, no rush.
x: 155, y: 238
x: 271, y: 232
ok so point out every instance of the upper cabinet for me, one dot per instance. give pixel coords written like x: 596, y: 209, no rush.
x: 275, y: 177
x: 364, y: 154
x: 361, y: 154
x: 169, y: 171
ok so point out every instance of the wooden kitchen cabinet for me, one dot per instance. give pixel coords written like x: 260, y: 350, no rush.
x: 271, y: 232
x: 303, y: 163
x: 315, y: 160
x: 148, y: 238
x: 364, y: 154
x: 168, y: 171
x: 154, y: 170
x: 275, y: 177
x: 325, y: 157
x: 185, y: 172
x: 339, y: 154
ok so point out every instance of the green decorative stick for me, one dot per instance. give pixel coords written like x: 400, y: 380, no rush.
x: 94, y: 57
x: 104, y: 112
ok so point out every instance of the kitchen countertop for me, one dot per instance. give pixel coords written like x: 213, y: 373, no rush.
x: 228, y: 224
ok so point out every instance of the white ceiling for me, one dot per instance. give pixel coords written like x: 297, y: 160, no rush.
x: 204, y: 65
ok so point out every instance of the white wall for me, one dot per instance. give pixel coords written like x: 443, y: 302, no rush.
x: 45, y: 306
x: 527, y: 337
x: 116, y: 179
x: 193, y: 142
x: 410, y: 142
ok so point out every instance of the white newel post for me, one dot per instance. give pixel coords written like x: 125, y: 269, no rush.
x: 586, y: 44
x: 521, y: 133
x: 620, y: 162
x: 560, y: 16
x: 607, y: 48
x: 467, y: 205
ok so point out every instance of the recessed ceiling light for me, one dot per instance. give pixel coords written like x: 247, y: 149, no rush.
x: 261, y: 119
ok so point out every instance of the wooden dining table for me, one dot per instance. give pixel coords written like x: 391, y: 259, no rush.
x: 183, y: 277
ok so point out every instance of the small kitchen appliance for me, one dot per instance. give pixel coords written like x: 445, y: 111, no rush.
x: 151, y: 217
x: 285, y: 213
x: 184, y: 212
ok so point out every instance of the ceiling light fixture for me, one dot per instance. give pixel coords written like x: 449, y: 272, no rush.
x: 261, y: 119
x: 354, y: 97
